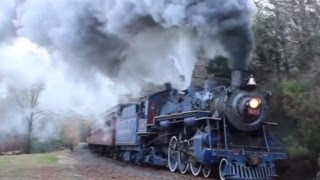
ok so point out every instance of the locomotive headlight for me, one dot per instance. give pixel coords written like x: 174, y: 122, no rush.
x: 254, y: 103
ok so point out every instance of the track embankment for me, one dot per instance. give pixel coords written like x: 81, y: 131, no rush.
x: 79, y: 164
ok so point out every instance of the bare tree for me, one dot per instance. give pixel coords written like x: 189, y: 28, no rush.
x: 28, y: 101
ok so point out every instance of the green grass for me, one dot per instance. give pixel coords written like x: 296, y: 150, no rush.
x: 28, y: 159
x: 47, y: 159
x: 5, y: 160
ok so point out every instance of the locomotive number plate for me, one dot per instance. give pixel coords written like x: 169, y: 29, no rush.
x: 252, y: 111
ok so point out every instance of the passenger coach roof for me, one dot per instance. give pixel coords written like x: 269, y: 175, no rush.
x: 116, y: 108
x: 138, y: 101
x: 144, y: 98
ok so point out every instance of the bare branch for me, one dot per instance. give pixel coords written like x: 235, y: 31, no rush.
x: 46, y: 113
x: 17, y: 98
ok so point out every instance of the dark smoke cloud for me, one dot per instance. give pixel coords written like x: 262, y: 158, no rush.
x: 230, y: 22
x: 7, y: 29
x: 103, y: 34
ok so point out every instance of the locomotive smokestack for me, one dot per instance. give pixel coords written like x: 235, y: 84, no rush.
x: 237, y: 78
x: 168, y: 86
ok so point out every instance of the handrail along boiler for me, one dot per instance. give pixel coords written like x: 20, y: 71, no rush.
x: 221, y: 127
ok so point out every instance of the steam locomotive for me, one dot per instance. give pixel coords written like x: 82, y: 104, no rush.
x: 221, y: 127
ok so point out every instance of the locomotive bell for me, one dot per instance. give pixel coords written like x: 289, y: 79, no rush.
x: 251, y: 81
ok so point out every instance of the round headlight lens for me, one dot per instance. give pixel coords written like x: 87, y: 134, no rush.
x: 254, y: 103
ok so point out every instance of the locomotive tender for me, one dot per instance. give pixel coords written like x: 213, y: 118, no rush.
x: 220, y: 128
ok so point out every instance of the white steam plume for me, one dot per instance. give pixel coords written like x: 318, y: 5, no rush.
x: 88, y: 52
x: 24, y: 65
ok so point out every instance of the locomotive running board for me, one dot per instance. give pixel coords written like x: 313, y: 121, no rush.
x: 210, y: 118
x: 183, y: 115
x: 270, y: 123
x: 146, y: 133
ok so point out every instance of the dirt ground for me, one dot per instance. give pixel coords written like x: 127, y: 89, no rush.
x: 78, y: 165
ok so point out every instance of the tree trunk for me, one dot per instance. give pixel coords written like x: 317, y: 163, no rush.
x: 29, y: 136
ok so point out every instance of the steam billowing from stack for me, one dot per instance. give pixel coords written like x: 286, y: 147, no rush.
x: 124, y: 42
x: 140, y: 40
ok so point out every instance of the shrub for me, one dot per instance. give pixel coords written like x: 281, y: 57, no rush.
x: 299, y: 152
x: 13, y: 142
x: 299, y: 107
x: 295, y: 149
x: 297, y: 112
x: 293, y: 88
x: 45, y: 145
x: 70, y: 134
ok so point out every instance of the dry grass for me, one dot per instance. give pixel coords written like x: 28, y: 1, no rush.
x: 29, y: 166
